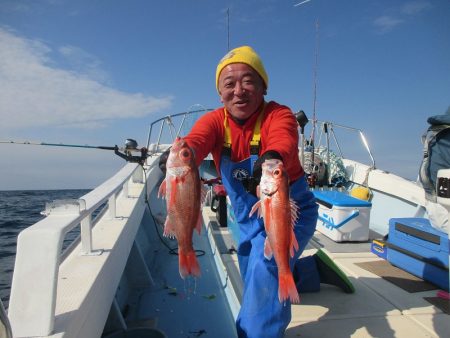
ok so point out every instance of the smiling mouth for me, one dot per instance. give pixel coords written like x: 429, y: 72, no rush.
x: 240, y: 103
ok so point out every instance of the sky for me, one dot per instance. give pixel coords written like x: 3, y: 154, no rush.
x: 97, y: 72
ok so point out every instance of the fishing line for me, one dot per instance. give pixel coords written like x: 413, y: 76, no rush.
x: 172, y: 251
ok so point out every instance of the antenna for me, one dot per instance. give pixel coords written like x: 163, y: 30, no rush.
x: 315, y: 73
x: 316, y: 62
x: 228, y: 29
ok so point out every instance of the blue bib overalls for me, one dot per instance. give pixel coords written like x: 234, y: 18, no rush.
x: 262, y: 314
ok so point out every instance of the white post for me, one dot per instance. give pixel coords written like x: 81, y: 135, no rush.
x: 112, y: 206
x: 125, y: 188
x: 33, y: 291
x: 443, y: 197
x: 86, y: 234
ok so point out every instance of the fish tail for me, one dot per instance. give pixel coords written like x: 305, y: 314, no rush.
x: 188, y: 264
x: 287, y: 288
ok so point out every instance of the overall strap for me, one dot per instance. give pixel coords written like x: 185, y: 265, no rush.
x: 254, y: 142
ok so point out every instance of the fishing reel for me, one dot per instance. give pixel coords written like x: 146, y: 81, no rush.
x: 131, y: 146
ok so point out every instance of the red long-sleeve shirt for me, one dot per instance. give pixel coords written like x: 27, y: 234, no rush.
x: 278, y: 133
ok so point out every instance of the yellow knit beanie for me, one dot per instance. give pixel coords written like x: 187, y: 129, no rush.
x: 244, y: 54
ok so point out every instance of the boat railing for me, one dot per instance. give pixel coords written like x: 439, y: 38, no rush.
x: 167, y: 128
x: 326, y: 135
x: 327, y: 131
x: 39, y: 251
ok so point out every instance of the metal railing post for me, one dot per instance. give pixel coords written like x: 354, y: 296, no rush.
x: 86, y: 234
x: 112, y: 206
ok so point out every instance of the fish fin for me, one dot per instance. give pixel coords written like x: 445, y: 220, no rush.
x: 294, y: 211
x: 188, y: 264
x: 267, y: 214
x: 162, y: 190
x: 173, y: 191
x: 287, y: 289
x: 256, y: 207
x: 268, y: 253
x: 294, y: 244
x: 169, y: 229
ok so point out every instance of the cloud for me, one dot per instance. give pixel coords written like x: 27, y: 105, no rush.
x: 84, y: 63
x: 35, y: 92
x: 387, y: 23
x: 414, y: 7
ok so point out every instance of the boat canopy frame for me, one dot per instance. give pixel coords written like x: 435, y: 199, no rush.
x: 327, y: 131
x: 167, y: 126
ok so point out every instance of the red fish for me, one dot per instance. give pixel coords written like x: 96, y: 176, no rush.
x: 279, y: 213
x: 182, y: 190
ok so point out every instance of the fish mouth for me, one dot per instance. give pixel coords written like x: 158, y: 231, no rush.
x: 178, y: 171
x: 268, y: 192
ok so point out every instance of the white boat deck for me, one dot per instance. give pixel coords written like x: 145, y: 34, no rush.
x: 139, y: 276
x: 378, y: 308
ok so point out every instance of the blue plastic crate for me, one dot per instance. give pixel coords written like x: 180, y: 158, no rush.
x: 415, y: 246
x: 379, y: 248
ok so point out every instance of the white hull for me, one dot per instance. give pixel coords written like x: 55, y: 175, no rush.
x: 119, y: 275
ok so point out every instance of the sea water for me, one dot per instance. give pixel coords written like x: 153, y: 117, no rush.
x: 18, y: 210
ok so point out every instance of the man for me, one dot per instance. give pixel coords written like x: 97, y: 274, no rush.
x: 241, y: 136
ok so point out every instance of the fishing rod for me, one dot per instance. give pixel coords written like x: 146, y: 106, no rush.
x: 131, y: 146
x: 312, y: 178
x: 301, y: 117
x: 56, y: 144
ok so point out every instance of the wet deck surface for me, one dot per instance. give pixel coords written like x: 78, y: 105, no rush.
x: 195, y: 307
x: 378, y: 308
x: 198, y: 308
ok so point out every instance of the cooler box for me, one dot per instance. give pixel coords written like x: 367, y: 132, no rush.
x: 417, y: 247
x: 342, y: 217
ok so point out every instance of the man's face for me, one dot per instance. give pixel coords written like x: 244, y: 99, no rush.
x: 241, y: 90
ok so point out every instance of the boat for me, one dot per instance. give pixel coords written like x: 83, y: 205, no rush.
x: 120, y: 277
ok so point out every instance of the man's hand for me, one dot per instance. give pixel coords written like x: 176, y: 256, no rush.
x: 257, y: 169
x: 163, y: 160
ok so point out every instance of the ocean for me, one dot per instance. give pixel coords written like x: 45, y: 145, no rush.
x: 18, y: 210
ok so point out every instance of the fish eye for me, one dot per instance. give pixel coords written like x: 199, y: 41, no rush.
x: 276, y: 172
x: 185, y: 153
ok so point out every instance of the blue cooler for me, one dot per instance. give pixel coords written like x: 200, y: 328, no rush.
x: 342, y: 217
x: 415, y: 246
